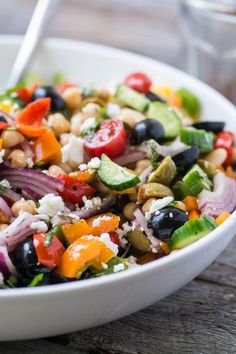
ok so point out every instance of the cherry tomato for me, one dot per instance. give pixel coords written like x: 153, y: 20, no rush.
x: 74, y: 190
x: 110, y: 139
x: 48, y: 256
x: 114, y: 237
x: 225, y: 140
x: 138, y: 82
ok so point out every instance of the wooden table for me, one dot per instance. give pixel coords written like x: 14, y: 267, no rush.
x: 200, y: 318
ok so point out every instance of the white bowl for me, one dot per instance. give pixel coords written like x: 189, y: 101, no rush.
x: 52, y: 310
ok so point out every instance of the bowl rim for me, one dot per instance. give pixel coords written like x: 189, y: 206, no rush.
x: 171, y: 259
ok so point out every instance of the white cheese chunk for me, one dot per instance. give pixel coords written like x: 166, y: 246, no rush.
x: 73, y: 151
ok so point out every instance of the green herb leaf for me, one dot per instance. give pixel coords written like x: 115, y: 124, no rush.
x: 36, y: 280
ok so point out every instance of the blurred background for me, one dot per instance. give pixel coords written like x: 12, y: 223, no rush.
x: 198, y: 36
x: 148, y: 27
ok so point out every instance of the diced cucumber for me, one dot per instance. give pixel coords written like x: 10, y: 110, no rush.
x: 114, y: 176
x: 190, y: 102
x: 191, y: 231
x: 131, y: 98
x: 200, y: 137
x: 192, y: 184
x: 167, y: 117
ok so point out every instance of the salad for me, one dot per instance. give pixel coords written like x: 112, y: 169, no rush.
x: 95, y: 181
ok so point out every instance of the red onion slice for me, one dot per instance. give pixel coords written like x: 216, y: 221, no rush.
x: 27, y: 149
x: 5, y: 208
x: 6, y: 266
x: 222, y: 198
x: 11, y: 196
x: 17, y: 231
x: 42, y: 179
x: 144, y: 175
x: 132, y: 156
x: 141, y: 223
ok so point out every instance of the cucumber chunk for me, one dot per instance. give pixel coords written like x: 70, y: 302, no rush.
x: 192, y: 184
x: 190, y: 102
x: 191, y: 231
x: 167, y: 117
x: 131, y: 98
x: 114, y: 176
x: 200, y: 137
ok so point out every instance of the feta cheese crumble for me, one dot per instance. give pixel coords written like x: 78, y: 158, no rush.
x: 93, y: 164
x: 74, y: 150
x: 90, y: 203
x: 118, y: 267
x: 105, y: 238
x: 96, y: 222
x: 51, y: 205
x: 157, y: 205
x: 39, y: 226
x: 113, y: 109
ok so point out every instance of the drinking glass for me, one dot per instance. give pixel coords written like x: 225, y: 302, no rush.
x: 210, y: 33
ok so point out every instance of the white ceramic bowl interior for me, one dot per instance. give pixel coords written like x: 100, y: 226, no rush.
x: 52, y: 310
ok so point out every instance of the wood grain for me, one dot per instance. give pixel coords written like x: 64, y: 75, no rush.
x: 200, y: 318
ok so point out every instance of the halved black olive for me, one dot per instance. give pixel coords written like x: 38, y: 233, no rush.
x: 186, y: 159
x: 24, y: 257
x: 154, y: 98
x: 214, y: 127
x: 57, y: 103
x: 166, y: 221
x: 145, y: 130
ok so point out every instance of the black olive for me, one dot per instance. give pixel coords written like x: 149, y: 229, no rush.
x: 57, y: 103
x: 154, y: 98
x: 145, y: 130
x: 166, y: 221
x: 214, y: 127
x: 24, y: 257
x: 3, y: 119
x: 186, y: 159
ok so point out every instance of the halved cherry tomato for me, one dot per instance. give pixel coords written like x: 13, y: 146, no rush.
x: 225, y: 140
x: 48, y: 256
x: 138, y: 82
x: 29, y: 121
x: 114, y: 237
x: 110, y: 139
x: 74, y: 190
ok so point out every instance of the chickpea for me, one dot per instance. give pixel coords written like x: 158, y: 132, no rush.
x: 64, y: 138
x: 141, y: 166
x: 58, y: 123
x: 128, y: 210
x: 55, y: 171
x: 133, y: 197
x: 91, y: 110
x: 11, y: 138
x: 24, y: 205
x: 72, y: 97
x: 131, y: 117
x: 180, y: 205
x: 18, y: 158
x: 147, y: 204
x: 3, y: 218
x: 65, y: 167
x: 3, y: 227
x: 216, y: 157
x: 102, y: 93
